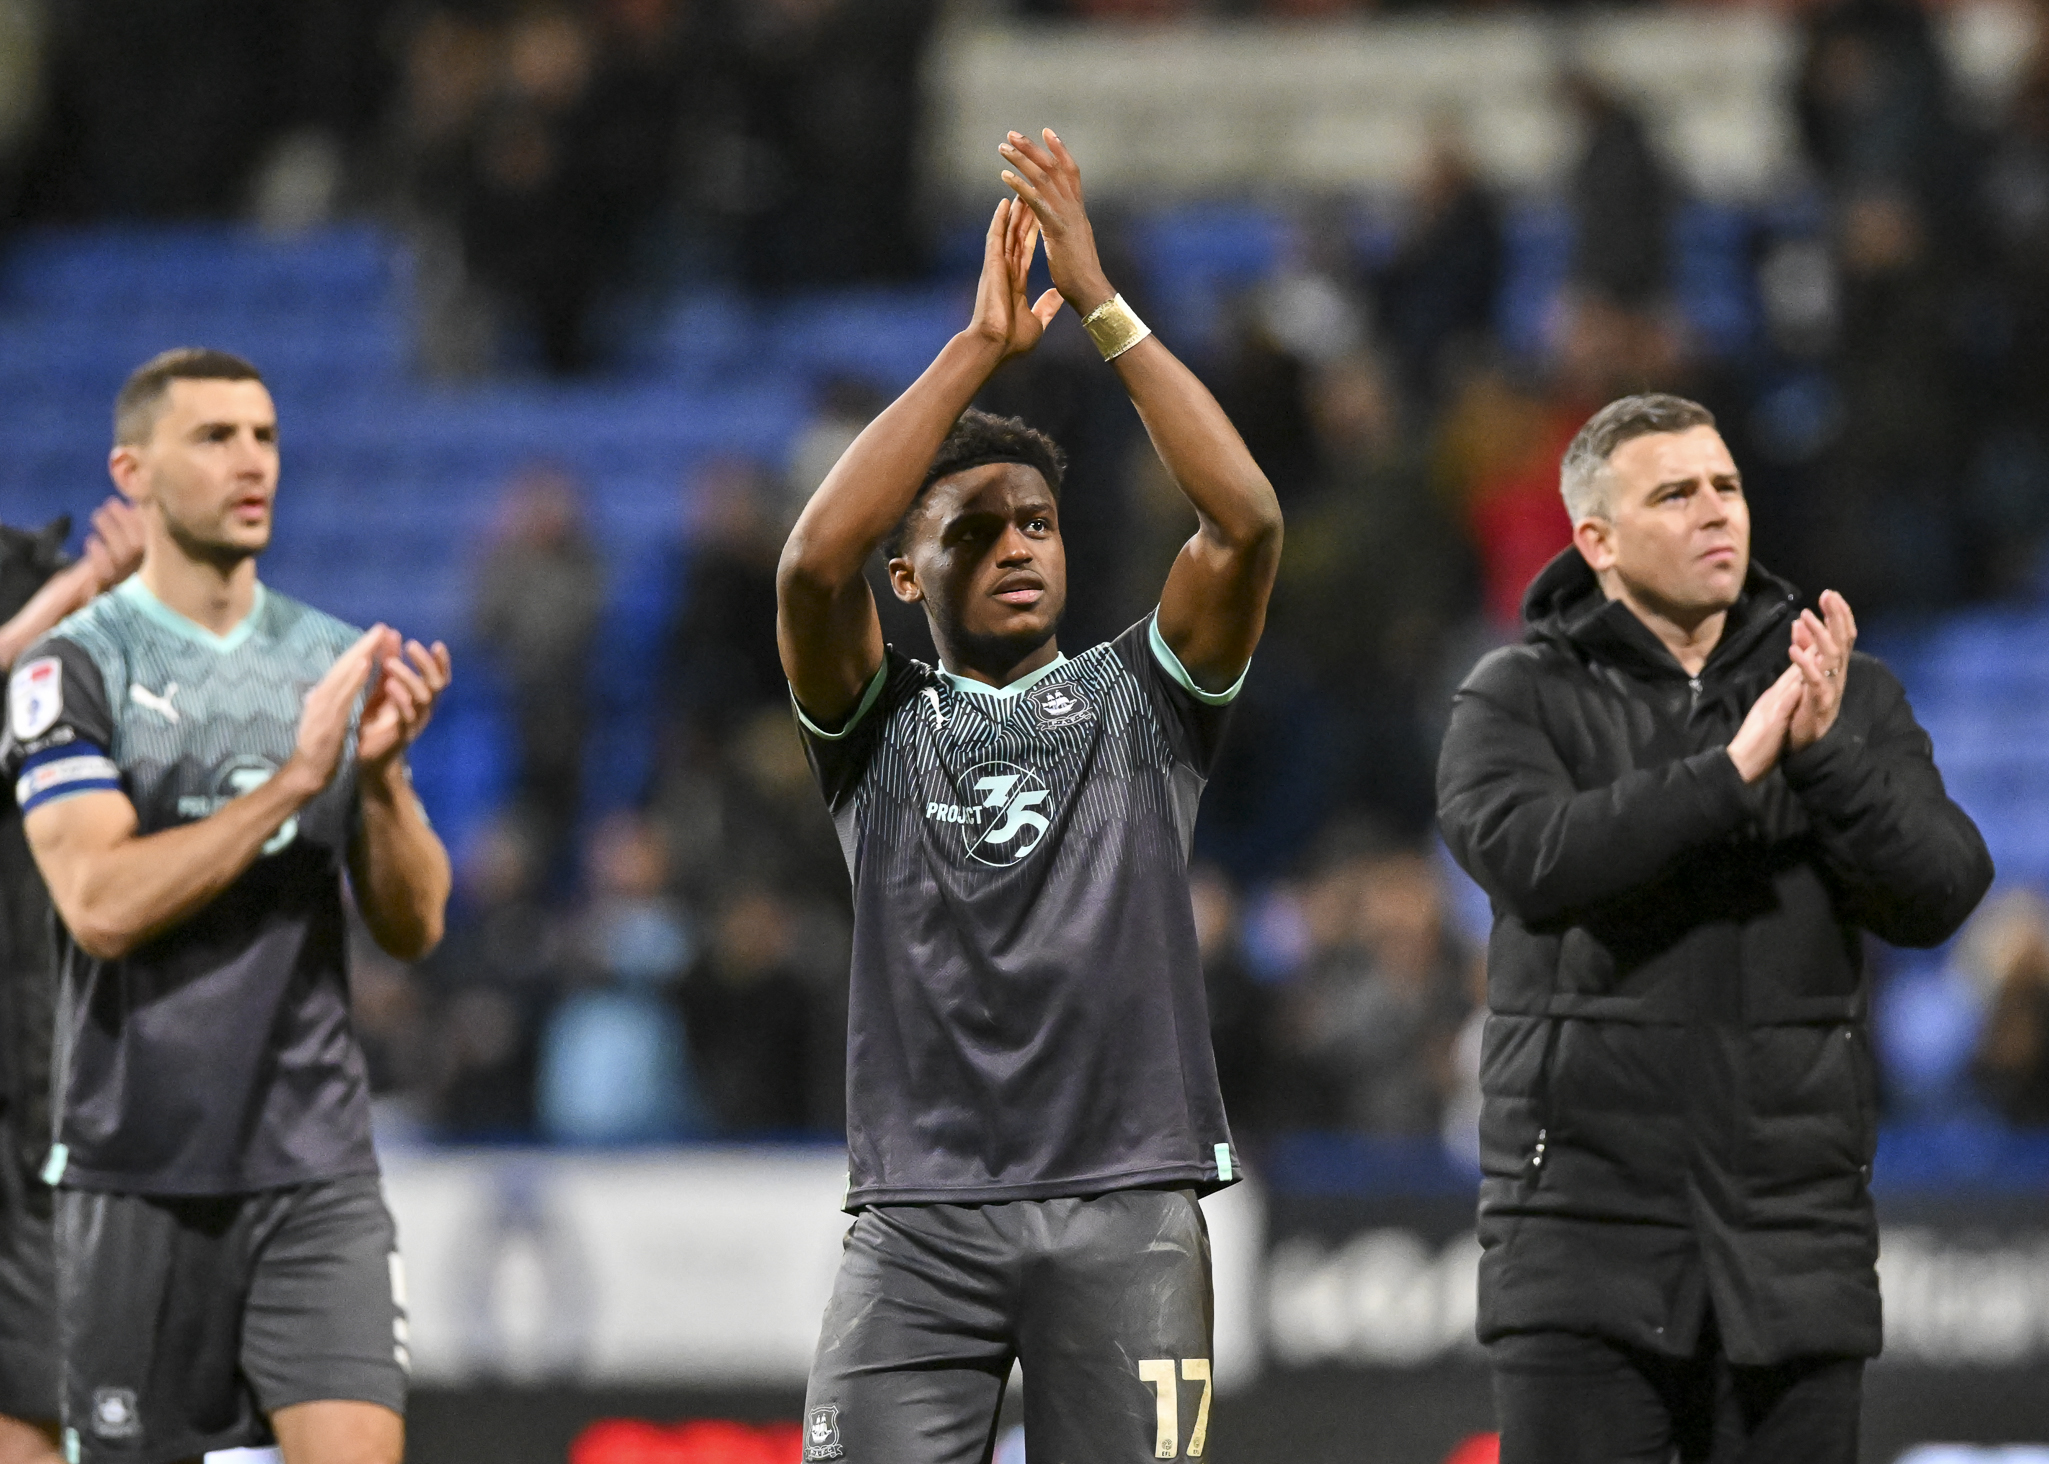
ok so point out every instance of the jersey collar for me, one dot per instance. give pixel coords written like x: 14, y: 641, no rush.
x: 138, y: 594
x: 1023, y: 683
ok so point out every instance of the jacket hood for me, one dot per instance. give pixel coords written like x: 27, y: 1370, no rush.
x: 1565, y: 606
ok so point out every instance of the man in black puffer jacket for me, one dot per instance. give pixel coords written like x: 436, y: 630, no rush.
x: 1688, y: 801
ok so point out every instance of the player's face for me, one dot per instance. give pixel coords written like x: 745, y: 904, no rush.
x: 985, y: 554
x: 1677, y: 533
x: 209, y: 469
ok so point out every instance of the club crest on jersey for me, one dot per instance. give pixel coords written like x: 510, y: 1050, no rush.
x: 1061, y: 704
x: 114, y: 1414
x: 822, y: 1434
x: 35, y: 698
x: 1008, y: 818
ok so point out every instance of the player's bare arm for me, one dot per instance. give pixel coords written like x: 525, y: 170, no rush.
x: 1214, y: 605
x: 826, y: 626
x: 116, y: 889
x: 397, y: 865
x: 113, y: 551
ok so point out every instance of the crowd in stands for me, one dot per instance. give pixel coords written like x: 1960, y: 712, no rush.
x: 675, y: 968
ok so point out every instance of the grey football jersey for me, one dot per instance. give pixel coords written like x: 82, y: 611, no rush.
x: 217, y: 1058
x: 1026, y: 1013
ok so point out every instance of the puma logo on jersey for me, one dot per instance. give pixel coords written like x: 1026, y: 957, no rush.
x: 938, y: 715
x: 142, y: 696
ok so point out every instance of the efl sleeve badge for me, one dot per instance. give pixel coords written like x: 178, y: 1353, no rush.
x: 35, y: 698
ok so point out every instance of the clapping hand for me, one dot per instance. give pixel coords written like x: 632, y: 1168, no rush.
x: 1003, y: 315
x: 1821, y: 653
x: 403, y: 702
x: 1049, y: 181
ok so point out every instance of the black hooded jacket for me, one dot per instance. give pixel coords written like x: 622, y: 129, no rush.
x: 1678, y: 1083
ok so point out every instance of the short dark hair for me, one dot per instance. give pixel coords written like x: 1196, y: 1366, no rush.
x: 1629, y: 417
x: 977, y: 439
x: 139, y: 402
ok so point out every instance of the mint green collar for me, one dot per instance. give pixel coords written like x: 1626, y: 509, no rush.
x: 136, y: 593
x: 1023, y: 683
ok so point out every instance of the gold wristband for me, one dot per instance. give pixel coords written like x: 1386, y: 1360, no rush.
x: 1115, y: 327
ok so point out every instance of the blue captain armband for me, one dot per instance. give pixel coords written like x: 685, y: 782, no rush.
x: 63, y: 772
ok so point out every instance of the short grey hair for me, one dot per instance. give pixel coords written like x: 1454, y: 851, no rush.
x: 1579, y: 474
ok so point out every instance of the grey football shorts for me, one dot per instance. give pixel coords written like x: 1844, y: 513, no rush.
x: 1104, y: 1301
x: 28, y: 1291
x: 184, y: 1322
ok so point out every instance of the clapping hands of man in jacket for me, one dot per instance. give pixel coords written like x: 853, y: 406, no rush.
x: 1688, y: 798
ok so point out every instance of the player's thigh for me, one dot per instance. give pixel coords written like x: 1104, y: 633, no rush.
x: 326, y: 1319
x: 915, y: 1346
x: 149, y: 1304
x: 1117, y: 1329
x: 1564, y: 1398
x: 28, y: 1296
x: 339, y: 1432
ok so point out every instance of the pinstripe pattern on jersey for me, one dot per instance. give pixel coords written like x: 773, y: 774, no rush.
x: 196, y: 717
x: 1025, y: 1019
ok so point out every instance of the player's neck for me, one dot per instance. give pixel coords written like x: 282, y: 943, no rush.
x: 214, y: 596
x: 996, y: 663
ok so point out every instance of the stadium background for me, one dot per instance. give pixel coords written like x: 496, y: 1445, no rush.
x: 567, y: 306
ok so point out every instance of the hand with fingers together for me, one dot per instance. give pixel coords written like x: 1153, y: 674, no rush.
x: 1821, y: 652
x: 403, y: 702
x: 1003, y: 315
x: 1048, y: 179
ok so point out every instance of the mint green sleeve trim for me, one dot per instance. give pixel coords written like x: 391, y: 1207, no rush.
x: 1171, y: 663
x: 868, y: 700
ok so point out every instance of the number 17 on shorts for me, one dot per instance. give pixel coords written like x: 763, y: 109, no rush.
x: 1166, y: 1378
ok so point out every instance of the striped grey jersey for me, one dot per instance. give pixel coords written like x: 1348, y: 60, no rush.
x: 1026, y: 1014
x: 217, y: 1058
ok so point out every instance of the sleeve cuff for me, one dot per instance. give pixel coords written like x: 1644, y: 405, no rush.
x: 1171, y: 664
x: 867, y: 702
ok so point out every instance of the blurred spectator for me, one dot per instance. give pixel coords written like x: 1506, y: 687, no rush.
x: 615, y: 1063
x: 769, y: 1064
x: 2008, y: 945
x: 539, y: 594
x: 494, y: 972
x: 1621, y: 202
x: 722, y: 664
x: 750, y: 812
x: 1239, y: 1007
x: 1496, y: 458
x: 1437, y: 295
x: 167, y: 108
x: 845, y: 405
x: 1263, y: 385
x: 389, y: 1007
x: 1874, y: 104
x: 827, y: 102
x: 1374, y: 1016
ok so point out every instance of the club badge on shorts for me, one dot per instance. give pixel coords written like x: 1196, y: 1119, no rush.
x: 114, y: 1414
x: 822, y: 1434
x: 35, y: 698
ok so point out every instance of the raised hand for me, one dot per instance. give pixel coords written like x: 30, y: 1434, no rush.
x: 1002, y: 313
x: 1821, y: 655
x: 113, y: 550
x: 1758, y: 742
x: 403, y: 703
x: 1049, y: 181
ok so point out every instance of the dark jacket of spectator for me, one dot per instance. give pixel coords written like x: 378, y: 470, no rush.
x: 1678, y: 1111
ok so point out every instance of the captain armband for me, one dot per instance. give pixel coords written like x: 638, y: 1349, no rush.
x: 64, y: 772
